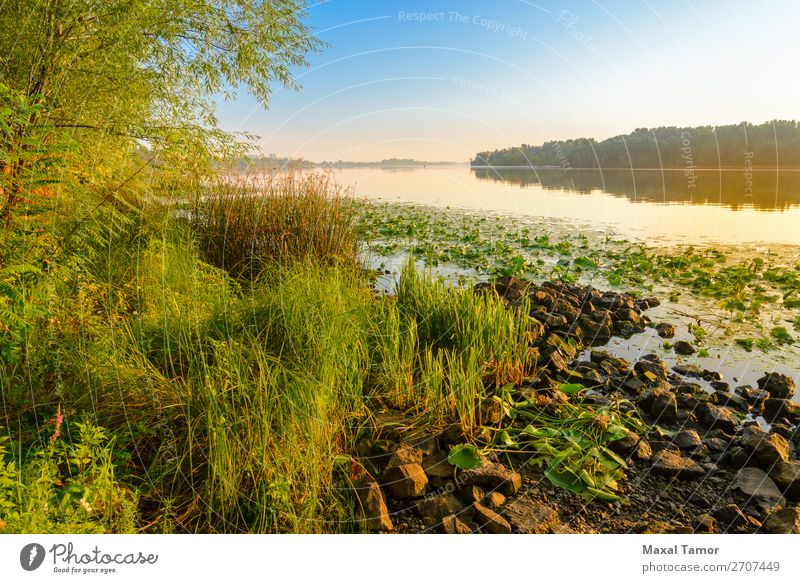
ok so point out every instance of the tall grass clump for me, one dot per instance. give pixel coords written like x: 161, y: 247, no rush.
x: 442, y: 349
x: 243, y: 223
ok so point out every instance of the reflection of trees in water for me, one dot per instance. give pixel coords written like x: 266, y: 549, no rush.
x: 764, y: 189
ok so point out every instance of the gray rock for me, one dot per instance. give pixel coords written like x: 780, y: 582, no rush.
x: 689, y: 370
x: 730, y: 400
x: 658, y: 445
x: 731, y: 517
x: 652, y: 364
x: 494, y: 500
x: 493, y: 476
x: 625, y: 446
x: 665, y: 407
x: 491, y: 412
x: 786, y: 475
x: 665, y: 330
x: 643, y: 452
x: 490, y: 521
x: 452, y: 524
x: 669, y: 465
x: 715, y: 444
x: 715, y: 417
x: 752, y: 395
x: 373, y: 510
x: 783, y: 521
x: 406, y: 481
x: 529, y: 517
x: 437, y: 466
x: 735, y: 457
x: 777, y: 385
x: 755, y: 486
x: 767, y: 449
x: 776, y: 409
x: 706, y: 523
x: 439, y: 506
x: 405, y: 455
x: 471, y: 494
x: 688, y: 439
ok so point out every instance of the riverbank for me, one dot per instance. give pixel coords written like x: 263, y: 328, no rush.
x: 234, y: 368
x: 698, y: 461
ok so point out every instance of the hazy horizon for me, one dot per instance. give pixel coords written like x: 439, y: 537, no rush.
x: 443, y: 81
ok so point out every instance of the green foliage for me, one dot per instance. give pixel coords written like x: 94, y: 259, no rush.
x: 65, y: 487
x: 782, y: 335
x: 123, y: 71
x: 464, y: 456
x: 570, y: 439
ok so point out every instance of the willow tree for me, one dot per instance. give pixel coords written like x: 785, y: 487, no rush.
x: 118, y: 76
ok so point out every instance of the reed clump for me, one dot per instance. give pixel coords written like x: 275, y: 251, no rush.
x: 242, y: 223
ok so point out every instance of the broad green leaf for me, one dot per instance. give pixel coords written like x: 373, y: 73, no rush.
x: 571, y: 388
x: 464, y: 456
x: 564, y: 479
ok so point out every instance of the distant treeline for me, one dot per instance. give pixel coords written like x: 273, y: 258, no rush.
x: 271, y: 162
x: 774, y: 143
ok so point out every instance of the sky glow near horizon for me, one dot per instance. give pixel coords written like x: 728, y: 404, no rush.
x: 443, y: 80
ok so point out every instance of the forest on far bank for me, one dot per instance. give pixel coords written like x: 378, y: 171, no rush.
x: 744, y: 145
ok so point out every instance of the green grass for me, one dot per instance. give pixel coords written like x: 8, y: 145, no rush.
x: 245, y: 222
x: 228, y: 399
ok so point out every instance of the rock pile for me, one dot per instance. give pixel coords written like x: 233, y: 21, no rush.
x: 721, y: 464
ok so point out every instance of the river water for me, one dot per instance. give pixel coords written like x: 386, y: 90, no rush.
x: 656, y: 206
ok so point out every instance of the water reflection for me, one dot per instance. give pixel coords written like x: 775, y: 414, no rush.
x: 761, y: 189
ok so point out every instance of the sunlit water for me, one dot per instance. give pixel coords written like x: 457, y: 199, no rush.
x: 745, y: 215
x: 659, y: 207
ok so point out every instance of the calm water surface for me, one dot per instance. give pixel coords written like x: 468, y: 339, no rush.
x: 660, y: 206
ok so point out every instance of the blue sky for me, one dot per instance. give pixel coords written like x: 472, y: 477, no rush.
x: 441, y: 80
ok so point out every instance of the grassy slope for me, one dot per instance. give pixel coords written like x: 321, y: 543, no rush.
x: 154, y: 391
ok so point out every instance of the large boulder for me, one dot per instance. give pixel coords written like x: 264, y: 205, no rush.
x: 715, y: 417
x: 776, y: 409
x: 777, y: 385
x: 767, y: 449
x: 670, y: 465
x: 783, y: 521
x: 753, y: 485
x: 786, y: 475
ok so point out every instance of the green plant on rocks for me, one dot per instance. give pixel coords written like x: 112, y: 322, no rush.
x: 569, y: 439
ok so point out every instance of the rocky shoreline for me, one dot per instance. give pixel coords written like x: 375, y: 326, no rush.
x: 709, y: 457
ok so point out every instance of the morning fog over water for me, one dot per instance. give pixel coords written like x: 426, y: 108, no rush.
x: 665, y: 206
